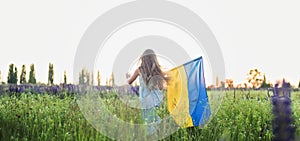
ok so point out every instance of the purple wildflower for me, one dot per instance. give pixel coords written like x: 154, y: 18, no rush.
x: 282, y: 122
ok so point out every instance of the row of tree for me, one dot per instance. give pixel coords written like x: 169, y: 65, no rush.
x: 12, y: 77
x: 85, y: 77
x: 255, y: 79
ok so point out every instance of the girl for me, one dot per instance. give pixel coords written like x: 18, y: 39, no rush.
x: 152, y: 81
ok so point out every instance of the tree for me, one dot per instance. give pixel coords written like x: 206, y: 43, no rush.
x: 16, y: 76
x: 112, y: 80
x: 88, y: 79
x: 50, y: 74
x: 32, y: 79
x: 255, y: 78
x: 84, y: 77
x: 65, y: 77
x: 23, y: 75
x: 98, y: 78
x: 222, y: 84
x: 10, y: 74
x: 81, y: 77
x: 264, y: 83
x: 229, y: 83
x: 299, y: 85
x: 12, y: 77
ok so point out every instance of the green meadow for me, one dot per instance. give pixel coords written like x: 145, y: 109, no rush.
x: 243, y: 116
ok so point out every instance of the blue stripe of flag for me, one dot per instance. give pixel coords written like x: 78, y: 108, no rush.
x: 198, y: 100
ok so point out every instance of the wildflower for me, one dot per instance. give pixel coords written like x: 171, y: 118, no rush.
x: 282, y: 122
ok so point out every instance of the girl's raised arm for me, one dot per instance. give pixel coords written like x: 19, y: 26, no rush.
x: 133, y: 77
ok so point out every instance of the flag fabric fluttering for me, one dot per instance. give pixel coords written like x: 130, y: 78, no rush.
x: 186, y: 94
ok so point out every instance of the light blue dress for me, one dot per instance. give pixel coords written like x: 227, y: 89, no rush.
x: 150, y: 100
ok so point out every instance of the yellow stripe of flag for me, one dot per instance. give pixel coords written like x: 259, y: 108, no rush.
x: 177, y: 94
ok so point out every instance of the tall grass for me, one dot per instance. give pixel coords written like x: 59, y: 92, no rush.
x: 47, y: 117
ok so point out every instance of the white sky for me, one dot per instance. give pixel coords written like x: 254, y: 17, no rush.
x: 146, y: 28
x: 252, y: 34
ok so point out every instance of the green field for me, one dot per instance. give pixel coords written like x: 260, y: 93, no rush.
x: 245, y: 116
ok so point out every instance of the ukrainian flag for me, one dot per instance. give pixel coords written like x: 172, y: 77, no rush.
x: 186, y: 94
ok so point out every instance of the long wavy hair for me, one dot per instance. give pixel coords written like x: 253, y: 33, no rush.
x: 150, y: 70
